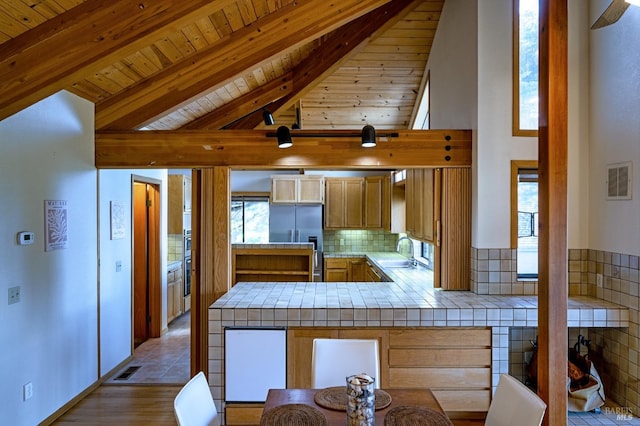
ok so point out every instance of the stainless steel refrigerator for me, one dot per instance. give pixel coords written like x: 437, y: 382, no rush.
x: 298, y: 223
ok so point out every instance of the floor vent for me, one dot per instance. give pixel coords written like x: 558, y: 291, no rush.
x: 127, y: 373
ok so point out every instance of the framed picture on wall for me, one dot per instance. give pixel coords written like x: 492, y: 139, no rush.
x: 56, y: 224
x: 117, y: 220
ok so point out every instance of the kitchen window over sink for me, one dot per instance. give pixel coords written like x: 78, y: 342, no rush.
x: 249, y: 219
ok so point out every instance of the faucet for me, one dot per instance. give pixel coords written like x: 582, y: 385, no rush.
x: 412, y: 259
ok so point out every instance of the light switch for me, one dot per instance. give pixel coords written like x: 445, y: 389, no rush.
x: 14, y: 295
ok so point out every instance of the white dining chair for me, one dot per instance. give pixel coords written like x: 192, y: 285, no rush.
x: 194, y: 406
x: 515, y: 404
x: 333, y: 360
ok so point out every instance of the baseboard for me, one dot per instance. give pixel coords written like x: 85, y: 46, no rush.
x: 71, y: 403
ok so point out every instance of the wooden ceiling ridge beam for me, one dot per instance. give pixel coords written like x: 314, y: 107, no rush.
x: 244, y: 105
x: 84, y: 40
x: 290, y: 26
x: 337, y: 48
x: 257, y: 149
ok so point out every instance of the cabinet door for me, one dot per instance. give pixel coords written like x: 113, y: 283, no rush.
x: 428, y: 205
x: 373, y: 202
x: 186, y: 194
x: 284, y: 189
x: 357, y: 270
x: 299, y: 350
x: 334, y: 203
x: 311, y: 189
x: 336, y: 270
x: 353, y: 201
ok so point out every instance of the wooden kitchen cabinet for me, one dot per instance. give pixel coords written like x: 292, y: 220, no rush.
x: 455, y: 363
x: 174, y: 293
x: 373, y: 202
x: 344, y: 203
x: 271, y: 264
x: 179, y: 202
x: 420, y: 204
x: 297, y: 189
x: 345, y: 269
x: 372, y: 274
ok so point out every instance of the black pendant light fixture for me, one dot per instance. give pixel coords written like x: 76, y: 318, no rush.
x: 368, y: 136
x: 268, y: 118
x: 284, y: 137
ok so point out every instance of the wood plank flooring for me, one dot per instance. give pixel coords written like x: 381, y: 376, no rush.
x: 124, y: 405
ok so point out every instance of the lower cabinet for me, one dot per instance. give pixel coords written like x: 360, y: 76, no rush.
x: 455, y: 363
x: 345, y: 269
x: 174, y: 293
x: 243, y: 414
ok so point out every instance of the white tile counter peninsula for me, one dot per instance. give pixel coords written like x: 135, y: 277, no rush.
x: 396, y: 309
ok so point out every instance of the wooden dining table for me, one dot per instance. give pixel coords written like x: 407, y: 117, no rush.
x: 399, y: 397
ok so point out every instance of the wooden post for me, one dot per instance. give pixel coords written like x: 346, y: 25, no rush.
x: 552, y: 156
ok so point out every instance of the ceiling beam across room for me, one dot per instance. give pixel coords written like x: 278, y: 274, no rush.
x: 82, y: 41
x: 257, y: 149
x: 289, y: 27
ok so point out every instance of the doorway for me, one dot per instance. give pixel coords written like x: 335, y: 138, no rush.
x: 147, y: 304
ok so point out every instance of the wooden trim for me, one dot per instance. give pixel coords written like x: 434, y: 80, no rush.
x: 515, y: 115
x: 254, y: 149
x: 515, y: 166
x: 553, y: 165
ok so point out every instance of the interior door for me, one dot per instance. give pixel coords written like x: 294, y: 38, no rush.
x: 146, y: 262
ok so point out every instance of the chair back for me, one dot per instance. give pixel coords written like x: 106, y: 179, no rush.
x: 515, y: 404
x: 194, y: 406
x: 335, y: 359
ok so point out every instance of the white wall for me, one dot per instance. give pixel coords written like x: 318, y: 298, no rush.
x: 116, y: 287
x: 50, y: 337
x: 614, y: 127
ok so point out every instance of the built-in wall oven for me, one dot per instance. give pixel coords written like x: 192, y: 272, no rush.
x: 186, y: 262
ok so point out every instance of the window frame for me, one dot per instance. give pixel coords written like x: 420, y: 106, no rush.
x: 516, y: 165
x: 515, y: 126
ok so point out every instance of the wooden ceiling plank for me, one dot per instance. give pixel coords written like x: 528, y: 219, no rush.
x: 196, y: 38
x: 252, y: 148
x: 10, y: 26
x: 340, y: 45
x: 243, y: 105
x: 85, y: 39
x: 23, y: 13
x: 208, y: 30
x: 290, y: 26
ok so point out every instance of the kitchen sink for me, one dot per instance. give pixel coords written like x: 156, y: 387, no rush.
x: 395, y: 263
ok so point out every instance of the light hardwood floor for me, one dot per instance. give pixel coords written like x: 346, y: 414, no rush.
x: 124, y: 405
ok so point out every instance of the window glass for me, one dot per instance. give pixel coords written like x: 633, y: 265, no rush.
x: 527, y: 228
x: 526, y: 67
x: 426, y: 253
x: 249, y: 219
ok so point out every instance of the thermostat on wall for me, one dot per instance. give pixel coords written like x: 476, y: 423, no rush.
x: 25, y: 238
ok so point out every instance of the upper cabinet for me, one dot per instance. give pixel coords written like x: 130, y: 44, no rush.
x: 179, y: 202
x: 420, y: 205
x: 297, y: 189
x: 343, y: 207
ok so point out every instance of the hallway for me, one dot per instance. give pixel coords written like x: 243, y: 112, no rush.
x: 163, y: 360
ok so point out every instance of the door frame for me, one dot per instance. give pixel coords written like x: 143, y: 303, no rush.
x: 155, y: 264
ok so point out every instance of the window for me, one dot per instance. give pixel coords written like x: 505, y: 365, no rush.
x: 426, y: 253
x: 249, y: 219
x: 525, y: 67
x: 524, y: 217
x: 422, y: 119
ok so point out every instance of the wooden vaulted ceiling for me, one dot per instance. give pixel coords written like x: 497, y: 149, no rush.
x: 209, y: 65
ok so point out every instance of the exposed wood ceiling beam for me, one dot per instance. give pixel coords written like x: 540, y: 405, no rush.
x: 254, y: 149
x: 289, y: 27
x: 244, y: 105
x: 84, y: 40
x: 337, y: 48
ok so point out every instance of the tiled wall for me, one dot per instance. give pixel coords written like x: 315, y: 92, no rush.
x: 616, y: 351
x: 174, y: 247
x: 358, y: 241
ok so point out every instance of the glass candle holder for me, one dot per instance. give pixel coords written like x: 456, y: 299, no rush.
x: 361, y: 404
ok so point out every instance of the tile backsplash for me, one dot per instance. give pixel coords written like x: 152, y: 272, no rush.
x: 174, y: 247
x: 358, y: 241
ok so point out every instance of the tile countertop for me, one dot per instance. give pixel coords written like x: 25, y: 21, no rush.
x: 402, y: 303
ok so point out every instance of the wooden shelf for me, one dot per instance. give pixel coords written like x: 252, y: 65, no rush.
x: 272, y: 264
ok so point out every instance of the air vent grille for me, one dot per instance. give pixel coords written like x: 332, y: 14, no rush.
x: 619, y: 181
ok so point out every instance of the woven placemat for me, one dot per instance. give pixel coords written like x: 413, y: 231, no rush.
x: 335, y: 398
x: 410, y: 415
x: 293, y: 415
